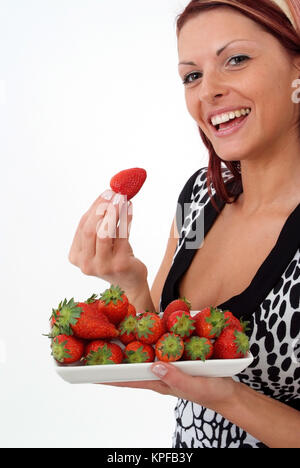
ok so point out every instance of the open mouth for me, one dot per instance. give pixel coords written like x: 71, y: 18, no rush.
x: 230, y: 120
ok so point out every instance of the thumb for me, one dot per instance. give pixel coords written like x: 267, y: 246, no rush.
x: 181, y: 384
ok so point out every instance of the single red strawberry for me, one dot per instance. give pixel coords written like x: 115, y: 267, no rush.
x: 233, y: 322
x: 231, y: 344
x: 67, y: 349
x: 196, y: 349
x: 210, y: 322
x: 149, y: 328
x: 131, y: 310
x: 174, y: 306
x: 93, y: 346
x: 92, y: 324
x: 114, y: 304
x: 181, y: 323
x: 93, y: 301
x: 100, y: 352
x: 169, y: 348
x: 127, y: 329
x: 128, y: 182
x: 137, y: 352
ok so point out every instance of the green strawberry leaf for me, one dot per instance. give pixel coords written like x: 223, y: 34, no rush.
x: 100, y: 357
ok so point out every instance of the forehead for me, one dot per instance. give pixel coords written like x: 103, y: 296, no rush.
x: 213, y: 27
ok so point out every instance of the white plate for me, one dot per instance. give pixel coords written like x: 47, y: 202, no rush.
x: 136, y: 372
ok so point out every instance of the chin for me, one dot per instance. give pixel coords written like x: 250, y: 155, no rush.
x: 230, y: 157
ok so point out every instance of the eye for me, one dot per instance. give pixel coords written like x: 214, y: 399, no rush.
x: 191, y: 77
x: 239, y: 59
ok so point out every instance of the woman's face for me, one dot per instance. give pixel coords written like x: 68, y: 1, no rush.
x: 229, y: 63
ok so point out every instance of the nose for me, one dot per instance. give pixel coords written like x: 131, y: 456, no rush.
x: 212, y: 87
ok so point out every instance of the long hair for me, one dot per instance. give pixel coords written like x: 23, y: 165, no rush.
x: 271, y: 17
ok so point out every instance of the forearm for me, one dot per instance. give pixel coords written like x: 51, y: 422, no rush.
x: 274, y: 424
x: 141, y: 298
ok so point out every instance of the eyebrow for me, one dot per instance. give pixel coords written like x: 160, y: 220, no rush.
x: 218, y: 53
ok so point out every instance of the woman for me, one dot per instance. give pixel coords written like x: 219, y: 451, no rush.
x: 239, y: 62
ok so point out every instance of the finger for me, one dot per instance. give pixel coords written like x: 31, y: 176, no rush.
x: 181, y: 384
x: 89, y: 233
x: 106, y: 228
x: 121, y: 244
x: 125, y: 220
x: 78, y: 241
x: 98, y: 210
x: 106, y: 196
x: 154, y: 385
x: 96, y: 214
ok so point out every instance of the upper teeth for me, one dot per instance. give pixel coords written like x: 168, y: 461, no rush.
x: 222, y: 118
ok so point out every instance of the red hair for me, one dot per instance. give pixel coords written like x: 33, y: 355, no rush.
x: 269, y: 16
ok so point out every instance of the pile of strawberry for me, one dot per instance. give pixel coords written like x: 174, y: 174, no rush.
x: 108, y: 330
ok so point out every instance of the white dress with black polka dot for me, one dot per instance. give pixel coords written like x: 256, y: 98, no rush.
x: 272, y: 305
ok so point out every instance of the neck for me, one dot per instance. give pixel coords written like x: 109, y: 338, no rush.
x: 271, y: 181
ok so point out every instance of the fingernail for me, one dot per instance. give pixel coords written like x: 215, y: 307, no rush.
x: 159, y: 370
x: 107, y: 195
x: 118, y: 199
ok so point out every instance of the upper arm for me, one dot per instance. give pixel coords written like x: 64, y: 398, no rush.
x: 165, y: 266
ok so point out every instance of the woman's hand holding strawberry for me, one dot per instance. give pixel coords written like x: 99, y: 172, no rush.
x: 101, y: 247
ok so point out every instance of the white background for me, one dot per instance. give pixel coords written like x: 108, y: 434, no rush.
x: 87, y: 88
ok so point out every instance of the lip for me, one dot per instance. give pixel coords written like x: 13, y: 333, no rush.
x: 224, y: 110
x: 233, y: 129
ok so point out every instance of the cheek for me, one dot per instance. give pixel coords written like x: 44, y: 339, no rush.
x: 193, y: 105
x: 274, y: 90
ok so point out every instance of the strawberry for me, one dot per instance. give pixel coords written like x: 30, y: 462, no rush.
x: 149, y: 328
x: 196, y: 348
x: 67, y: 349
x: 63, y: 317
x: 174, y: 306
x: 53, y: 321
x: 231, y: 344
x: 100, y: 352
x: 114, y: 304
x: 128, y: 182
x: 131, y: 310
x: 210, y: 322
x: 181, y: 323
x: 233, y: 322
x: 93, y: 324
x: 93, y: 301
x: 169, y: 348
x: 82, y: 319
x: 136, y: 352
x: 127, y: 329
